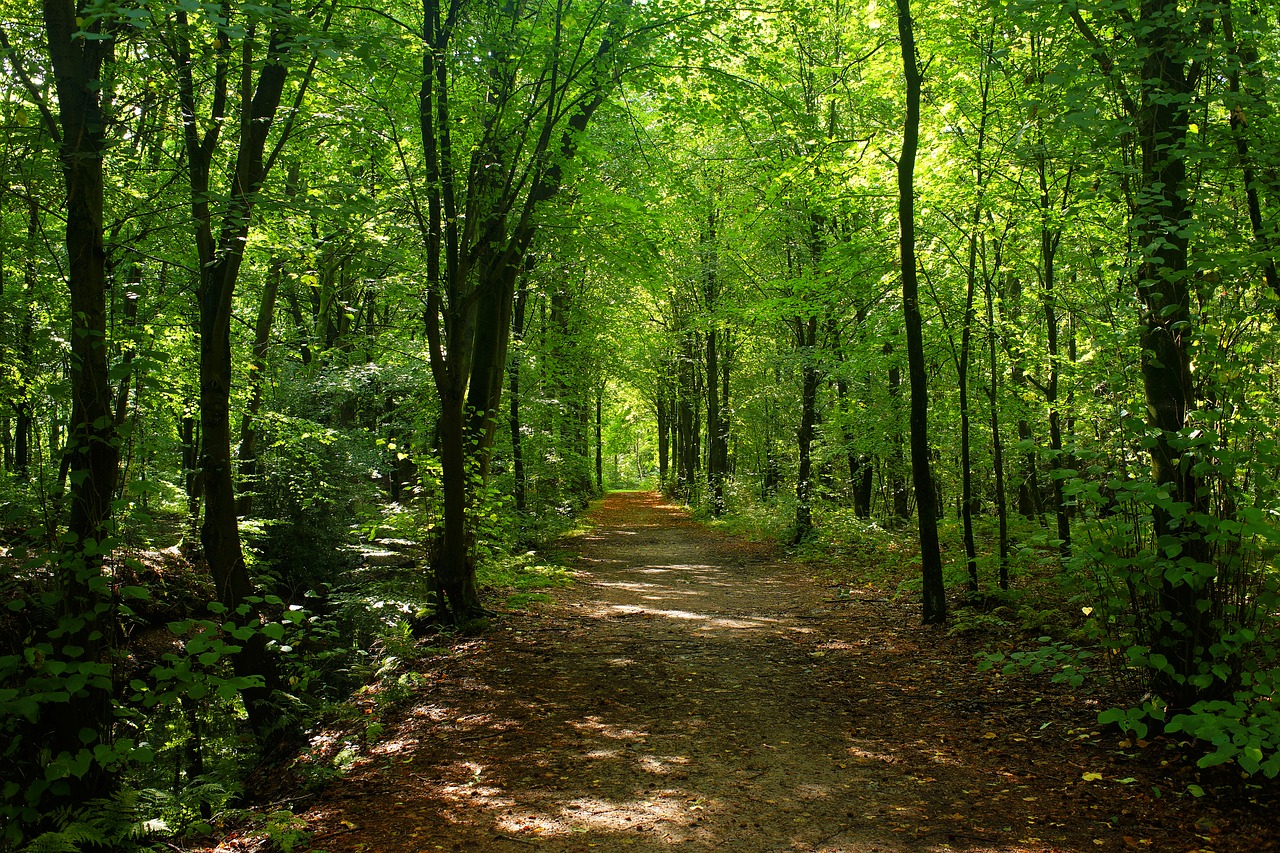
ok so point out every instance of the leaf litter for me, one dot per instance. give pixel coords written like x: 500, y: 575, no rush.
x: 695, y: 691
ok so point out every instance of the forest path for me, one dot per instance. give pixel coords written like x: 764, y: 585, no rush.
x: 693, y: 691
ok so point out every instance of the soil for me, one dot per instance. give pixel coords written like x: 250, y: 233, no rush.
x: 694, y: 691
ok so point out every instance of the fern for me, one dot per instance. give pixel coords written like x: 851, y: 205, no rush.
x: 99, y: 823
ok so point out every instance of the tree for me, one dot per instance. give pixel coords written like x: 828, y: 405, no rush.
x: 935, y: 600
x: 220, y: 239
x: 538, y: 84
x: 85, y: 606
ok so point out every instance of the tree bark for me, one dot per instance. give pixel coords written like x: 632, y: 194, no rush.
x: 935, y: 598
x: 517, y: 436
x: 477, y: 232
x: 717, y: 420
x: 247, y: 451
x: 220, y: 260
x: 85, y: 603
x: 1244, y: 55
x: 806, y: 334
x: 1050, y: 239
x: 1168, y: 330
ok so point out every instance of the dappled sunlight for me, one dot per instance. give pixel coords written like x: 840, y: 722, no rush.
x: 670, y: 703
x: 667, y: 809
x: 873, y: 755
x: 395, y: 746
x: 595, y: 725
x: 709, y: 621
x: 632, y: 586
x: 662, y: 765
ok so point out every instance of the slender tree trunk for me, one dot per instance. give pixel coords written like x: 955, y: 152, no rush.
x: 966, y: 334
x: 663, y: 414
x: 1245, y: 55
x: 220, y: 260
x: 132, y: 294
x: 600, y: 440
x: 247, y: 452
x: 23, y: 426
x: 1029, y: 503
x: 935, y: 597
x: 517, y: 436
x: 806, y: 333
x: 897, y: 477
x: 717, y: 440
x: 997, y: 443
x: 1181, y: 630
x: 1049, y: 241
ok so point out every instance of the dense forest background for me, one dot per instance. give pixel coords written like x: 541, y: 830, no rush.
x: 283, y: 281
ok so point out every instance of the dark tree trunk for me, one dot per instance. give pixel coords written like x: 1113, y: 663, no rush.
x: 935, y: 597
x: 92, y: 456
x: 1029, y: 502
x: 1181, y: 630
x: 997, y: 443
x: 967, y: 507
x: 806, y: 334
x: 1241, y: 104
x: 600, y: 440
x: 23, y: 425
x: 1049, y: 242
x: 716, y: 442
x: 717, y: 418
x: 688, y: 428
x: 477, y: 235
x: 247, y: 452
x: 897, y: 472
x: 220, y: 261
x: 517, y: 436
x: 129, y: 323
x: 663, y: 414
x: 192, y: 476
x: 1161, y: 224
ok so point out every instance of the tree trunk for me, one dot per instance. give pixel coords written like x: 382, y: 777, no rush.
x: 935, y: 597
x: 1049, y: 241
x: 513, y: 368
x: 85, y: 604
x: 247, y: 451
x: 600, y: 440
x: 997, y: 443
x: 806, y: 334
x: 1244, y: 55
x: 24, y: 421
x: 717, y: 437
x: 1162, y: 224
x: 664, y: 442
x: 897, y: 476
x: 220, y: 262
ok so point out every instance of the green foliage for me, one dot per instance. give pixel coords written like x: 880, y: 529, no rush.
x: 112, y: 823
x: 1226, y: 659
x: 1066, y: 661
x: 519, y: 576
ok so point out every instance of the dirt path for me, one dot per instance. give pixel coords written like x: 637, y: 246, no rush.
x: 696, y: 692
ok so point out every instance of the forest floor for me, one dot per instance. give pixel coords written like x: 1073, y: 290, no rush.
x: 694, y: 691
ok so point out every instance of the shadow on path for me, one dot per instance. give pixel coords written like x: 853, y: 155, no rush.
x: 696, y: 692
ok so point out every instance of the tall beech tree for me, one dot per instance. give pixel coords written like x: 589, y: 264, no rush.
x: 935, y: 594
x: 241, y: 118
x: 85, y: 603
x: 1165, y: 74
x: 490, y: 165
